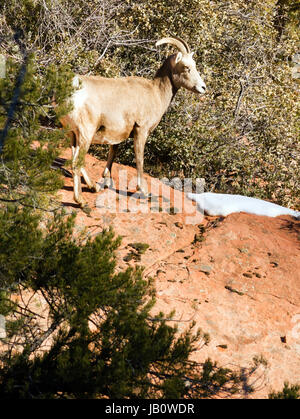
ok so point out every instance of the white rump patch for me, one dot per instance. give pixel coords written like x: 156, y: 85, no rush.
x: 79, y: 96
x: 215, y: 204
x: 76, y: 82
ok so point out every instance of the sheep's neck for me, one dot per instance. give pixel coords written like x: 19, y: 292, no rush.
x: 165, y: 83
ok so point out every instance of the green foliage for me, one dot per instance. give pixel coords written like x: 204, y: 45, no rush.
x: 139, y: 247
x: 27, y: 181
x: 288, y: 392
x: 31, y: 144
x: 76, y: 327
x: 100, y: 318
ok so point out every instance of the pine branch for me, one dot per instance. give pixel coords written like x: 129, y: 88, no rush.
x: 17, y: 91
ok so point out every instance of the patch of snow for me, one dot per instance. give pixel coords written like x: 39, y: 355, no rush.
x: 216, y: 204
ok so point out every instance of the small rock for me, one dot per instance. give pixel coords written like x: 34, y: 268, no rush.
x: 179, y: 225
x: 222, y: 346
x: 176, y: 183
x: 274, y: 264
x: 229, y: 288
x: 165, y: 181
x: 160, y: 271
x: 206, y: 269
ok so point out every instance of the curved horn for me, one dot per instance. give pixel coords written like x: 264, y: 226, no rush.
x: 179, y: 43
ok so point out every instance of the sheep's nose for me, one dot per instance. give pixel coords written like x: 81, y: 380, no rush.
x: 200, y: 88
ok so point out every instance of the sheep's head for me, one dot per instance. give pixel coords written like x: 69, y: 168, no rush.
x: 184, y: 72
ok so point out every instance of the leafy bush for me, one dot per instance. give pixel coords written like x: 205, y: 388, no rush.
x: 288, y: 392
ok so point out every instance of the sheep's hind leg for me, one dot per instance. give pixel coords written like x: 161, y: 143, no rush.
x: 76, y: 178
x: 140, y: 138
x: 107, y: 171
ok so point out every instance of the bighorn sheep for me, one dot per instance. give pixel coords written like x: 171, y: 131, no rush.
x: 108, y: 111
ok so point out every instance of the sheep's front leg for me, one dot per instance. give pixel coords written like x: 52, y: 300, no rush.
x: 78, y: 157
x: 140, y: 138
x: 107, y: 171
x: 93, y: 186
x: 77, y: 176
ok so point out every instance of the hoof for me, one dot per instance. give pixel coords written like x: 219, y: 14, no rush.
x: 142, y: 193
x: 83, y: 206
x: 108, y: 182
x: 96, y: 188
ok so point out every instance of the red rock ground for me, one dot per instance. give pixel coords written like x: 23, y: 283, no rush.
x: 239, y: 281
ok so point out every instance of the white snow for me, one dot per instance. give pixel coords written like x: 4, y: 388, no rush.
x: 216, y: 204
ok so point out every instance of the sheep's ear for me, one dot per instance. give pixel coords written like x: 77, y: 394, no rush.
x: 178, y: 57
